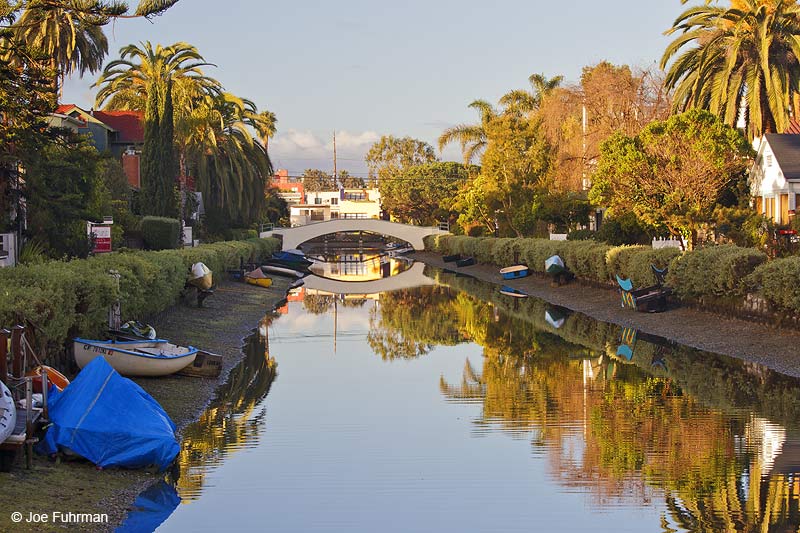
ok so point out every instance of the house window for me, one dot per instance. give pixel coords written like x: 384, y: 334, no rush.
x: 334, y: 201
x: 354, y: 216
x: 334, y: 214
x: 317, y: 200
x: 769, y: 160
x: 355, y: 196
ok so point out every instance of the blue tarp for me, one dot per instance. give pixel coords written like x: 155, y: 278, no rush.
x: 151, y: 509
x: 110, y: 420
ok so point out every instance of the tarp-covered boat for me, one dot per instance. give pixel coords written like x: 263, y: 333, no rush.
x: 109, y: 420
x: 258, y: 278
x: 292, y: 257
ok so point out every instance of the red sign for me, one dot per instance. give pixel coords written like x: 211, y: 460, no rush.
x: 787, y: 232
x: 102, y: 239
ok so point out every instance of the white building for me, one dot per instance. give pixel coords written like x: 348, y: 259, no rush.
x: 330, y: 205
x: 775, y: 176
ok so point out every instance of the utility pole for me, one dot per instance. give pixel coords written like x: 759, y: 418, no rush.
x: 335, y: 173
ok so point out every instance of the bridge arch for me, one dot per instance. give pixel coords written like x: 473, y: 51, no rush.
x: 413, y: 235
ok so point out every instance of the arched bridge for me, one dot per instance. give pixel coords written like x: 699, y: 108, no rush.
x: 413, y: 235
x: 413, y: 277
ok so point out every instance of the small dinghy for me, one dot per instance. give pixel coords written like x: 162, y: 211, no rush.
x: 54, y: 377
x: 258, y: 278
x: 451, y: 258
x: 136, y: 358
x: 285, y: 272
x: 515, y: 272
x: 8, y: 413
x: 511, y: 291
x: 465, y: 262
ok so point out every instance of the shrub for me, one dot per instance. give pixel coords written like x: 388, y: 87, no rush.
x: 776, y: 282
x: 713, y: 271
x: 580, y: 235
x: 160, y: 233
x: 635, y: 262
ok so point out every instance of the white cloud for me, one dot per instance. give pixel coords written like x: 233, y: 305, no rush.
x: 297, y: 150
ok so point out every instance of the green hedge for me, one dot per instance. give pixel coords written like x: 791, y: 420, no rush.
x: 717, y: 271
x: 589, y: 260
x: 160, y: 233
x: 63, y: 299
x: 778, y: 282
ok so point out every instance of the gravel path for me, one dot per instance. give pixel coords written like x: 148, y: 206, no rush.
x: 775, y: 348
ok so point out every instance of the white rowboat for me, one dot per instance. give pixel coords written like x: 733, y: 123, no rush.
x: 136, y: 358
x: 281, y: 271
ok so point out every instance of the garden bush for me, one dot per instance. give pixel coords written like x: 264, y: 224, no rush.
x: 160, y: 233
x: 634, y: 262
x: 64, y: 299
x: 776, y: 282
x: 714, y: 271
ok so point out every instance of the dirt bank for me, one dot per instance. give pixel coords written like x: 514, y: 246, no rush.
x: 776, y: 348
x: 221, y: 326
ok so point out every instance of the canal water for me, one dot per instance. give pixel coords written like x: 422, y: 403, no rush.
x: 452, y: 407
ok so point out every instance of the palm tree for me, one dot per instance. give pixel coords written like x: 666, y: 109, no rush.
x: 71, y: 41
x: 742, y: 57
x: 471, y: 137
x: 523, y: 102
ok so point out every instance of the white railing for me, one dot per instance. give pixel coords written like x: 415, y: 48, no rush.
x: 659, y: 243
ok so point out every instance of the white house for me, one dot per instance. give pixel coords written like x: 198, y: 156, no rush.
x: 775, y: 176
x: 330, y: 205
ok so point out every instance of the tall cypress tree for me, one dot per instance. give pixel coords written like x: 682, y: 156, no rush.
x: 159, y: 169
x: 150, y: 171
x: 168, y: 162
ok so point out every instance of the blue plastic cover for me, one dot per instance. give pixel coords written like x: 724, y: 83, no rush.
x: 110, y: 420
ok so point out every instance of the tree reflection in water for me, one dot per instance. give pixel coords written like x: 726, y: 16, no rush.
x: 716, y: 438
x: 234, y: 419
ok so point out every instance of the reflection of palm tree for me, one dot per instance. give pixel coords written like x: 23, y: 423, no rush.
x: 228, y: 423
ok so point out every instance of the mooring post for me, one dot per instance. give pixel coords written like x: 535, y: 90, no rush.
x: 4, y: 336
x: 16, y: 351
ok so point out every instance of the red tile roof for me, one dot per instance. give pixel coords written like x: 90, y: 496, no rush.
x: 794, y: 127
x: 129, y: 124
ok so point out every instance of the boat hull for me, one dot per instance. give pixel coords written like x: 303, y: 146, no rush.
x: 8, y: 413
x: 467, y: 261
x: 54, y: 377
x: 281, y: 271
x: 554, y: 265
x: 515, y: 272
x: 136, y: 358
x: 451, y: 258
x: 259, y: 282
x: 511, y: 291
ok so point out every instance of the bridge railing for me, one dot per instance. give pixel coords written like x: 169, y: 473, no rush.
x: 444, y: 226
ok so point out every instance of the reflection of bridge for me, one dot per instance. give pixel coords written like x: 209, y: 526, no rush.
x: 413, y: 235
x: 413, y: 277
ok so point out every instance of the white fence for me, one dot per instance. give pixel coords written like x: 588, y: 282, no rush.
x: 659, y: 243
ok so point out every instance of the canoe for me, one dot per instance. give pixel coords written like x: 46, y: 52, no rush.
x: 465, y: 262
x: 515, y: 272
x: 136, y: 358
x: 511, y: 291
x: 451, y: 258
x: 258, y: 282
x: 281, y: 271
x: 54, y: 377
x: 8, y: 413
x: 554, y: 265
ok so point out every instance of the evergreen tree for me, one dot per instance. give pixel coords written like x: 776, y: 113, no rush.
x: 150, y: 156
x: 158, y: 162
x: 168, y: 202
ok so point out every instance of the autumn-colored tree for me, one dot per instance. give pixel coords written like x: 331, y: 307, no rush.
x: 671, y: 174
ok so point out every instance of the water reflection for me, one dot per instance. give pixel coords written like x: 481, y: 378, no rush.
x: 369, y: 265
x: 616, y: 415
x: 671, y: 438
x: 235, y: 419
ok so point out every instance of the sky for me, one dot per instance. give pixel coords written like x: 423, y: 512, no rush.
x: 371, y: 68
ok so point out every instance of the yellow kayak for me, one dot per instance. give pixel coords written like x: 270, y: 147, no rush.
x: 260, y: 282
